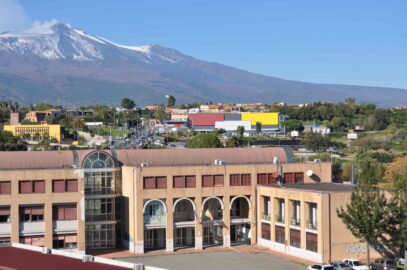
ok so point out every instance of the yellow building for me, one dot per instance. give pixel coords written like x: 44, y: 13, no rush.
x: 265, y: 119
x: 53, y: 131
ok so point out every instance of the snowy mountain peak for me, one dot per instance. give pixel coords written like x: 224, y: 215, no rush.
x: 54, y: 40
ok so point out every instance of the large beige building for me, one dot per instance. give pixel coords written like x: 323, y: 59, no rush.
x: 172, y: 199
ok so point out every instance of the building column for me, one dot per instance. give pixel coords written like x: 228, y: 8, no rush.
x: 226, y: 221
x: 169, y: 235
x: 48, y: 227
x: 15, y: 223
x: 138, y: 225
x: 198, y: 214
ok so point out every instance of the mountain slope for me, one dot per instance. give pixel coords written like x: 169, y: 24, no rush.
x: 60, y: 64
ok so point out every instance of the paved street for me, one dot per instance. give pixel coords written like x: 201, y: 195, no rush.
x: 218, y: 261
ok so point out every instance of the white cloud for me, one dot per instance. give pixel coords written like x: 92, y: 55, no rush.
x: 13, y: 16
x: 41, y: 27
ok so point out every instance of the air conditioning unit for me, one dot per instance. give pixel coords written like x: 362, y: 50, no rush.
x: 46, y: 250
x: 317, y: 160
x: 143, y: 165
x: 219, y: 162
x: 87, y: 258
x: 138, y: 266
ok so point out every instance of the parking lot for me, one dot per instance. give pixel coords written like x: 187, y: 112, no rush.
x: 218, y: 261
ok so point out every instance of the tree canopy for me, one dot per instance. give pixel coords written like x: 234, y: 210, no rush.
x: 205, y: 140
x: 128, y: 103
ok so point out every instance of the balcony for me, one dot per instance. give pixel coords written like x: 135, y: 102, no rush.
x: 5, y: 229
x: 65, y: 226
x: 280, y: 219
x: 312, y: 225
x: 295, y: 222
x: 155, y: 220
x: 35, y: 227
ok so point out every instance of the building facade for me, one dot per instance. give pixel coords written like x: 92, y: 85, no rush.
x: 171, y: 199
x: 52, y: 131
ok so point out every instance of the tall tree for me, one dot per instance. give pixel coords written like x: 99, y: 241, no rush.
x: 366, y: 216
x: 171, y: 101
x: 128, y: 103
x: 240, y: 131
x: 205, y: 140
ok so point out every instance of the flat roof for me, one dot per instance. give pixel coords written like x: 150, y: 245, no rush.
x: 321, y: 187
x: 15, y: 258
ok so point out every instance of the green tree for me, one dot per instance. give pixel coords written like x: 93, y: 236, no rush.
x: 128, y: 103
x: 366, y: 216
x: 293, y: 124
x: 8, y: 142
x: 240, y: 131
x: 370, y: 171
x: 171, y: 101
x: 316, y: 141
x: 160, y: 114
x: 205, y: 140
x: 232, y: 142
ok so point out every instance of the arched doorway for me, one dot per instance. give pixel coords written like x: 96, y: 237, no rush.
x: 155, y: 221
x: 240, y: 220
x: 212, y: 221
x: 184, y: 223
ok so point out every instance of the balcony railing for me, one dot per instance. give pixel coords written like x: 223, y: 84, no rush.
x: 312, y: 225
x: 280, y: 219
x: 32, y: 227
x: 5, y: 229
x: 295, y: 222
x: 266, y: 217
x: 65, y: 225
x: 156, y: 220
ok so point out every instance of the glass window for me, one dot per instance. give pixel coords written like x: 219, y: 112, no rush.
x: 98, y: 160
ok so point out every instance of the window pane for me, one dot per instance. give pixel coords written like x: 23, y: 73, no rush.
x: 72, y: 185
x: 161, y: 182
x: 190, y: 181
x: 25, y: 187
x: 58, y: 186
x: 39, y: 186
x: 5, y: 187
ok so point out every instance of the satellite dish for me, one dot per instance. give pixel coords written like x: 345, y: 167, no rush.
x: 310, y: 173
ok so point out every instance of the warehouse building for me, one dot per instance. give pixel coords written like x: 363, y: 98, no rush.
x: 172, y: 199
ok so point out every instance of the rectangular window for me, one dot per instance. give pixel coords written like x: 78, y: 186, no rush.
x: 161, y: 182
x: 289, y: 178
x: 280, y: 234
x: 72, y: 185
x: 207, y: 180
x: 273, y: 178
x: 39, y: 186
x: 4, y: 214
x: 149, y: 183
x: 235, y: 180
x: 262, y: 179
x: 190, y: 181
x: 179, y: 182
x: 246, y: 179
x: 299, y: 177
x: 25, y: 187
x: 295, y: 238
x: 5, y: 187
x: 265, y: 231
x: 65, y: 212
x: 311, y: 242
x: 58, y: 185
x: 31, y: 214
x: 219, y: 180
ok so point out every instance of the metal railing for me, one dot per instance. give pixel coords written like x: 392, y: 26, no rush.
x: 312, y: 225
x: 295, y: 222
x: 156, y: 219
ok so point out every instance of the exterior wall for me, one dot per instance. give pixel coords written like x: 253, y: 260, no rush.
x: 15, y: 200
x: 263, y: 118
x: 205, y: 119
x: 232, y: 125
x: 335, y: 241
x: 53, y: 131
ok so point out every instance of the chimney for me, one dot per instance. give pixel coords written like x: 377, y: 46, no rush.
x: 14, y: 118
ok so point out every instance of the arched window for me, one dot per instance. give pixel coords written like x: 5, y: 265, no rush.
x: 98, y: 160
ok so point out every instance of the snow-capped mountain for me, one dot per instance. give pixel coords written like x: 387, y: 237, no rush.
x: 57, y: 63
x: 57, y: 41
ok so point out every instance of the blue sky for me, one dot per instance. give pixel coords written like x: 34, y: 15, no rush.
x: 360, y: 42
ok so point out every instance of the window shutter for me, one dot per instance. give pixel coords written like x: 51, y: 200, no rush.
x: 190, y: 181
x: 4, y: 211
x: 39, y: 186
x: 246, y: 179
x: 5, y: 187
x: 149, y: 182
x: 72, y: 185
x: 207, y: 180
x: 179, y: 181
x: 161, y: 182
x: 25, y: 187
x: 265, y: 231
x: 262, y: 179
x: 58, y: 186
x: 70, y: 213
x: 235, y: 179
x: 219, y: 180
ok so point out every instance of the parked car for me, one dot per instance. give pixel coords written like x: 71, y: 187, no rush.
x: 383, y: 264
x: 341, y: 266
x: 356, y: 264
x: 321, y: 267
